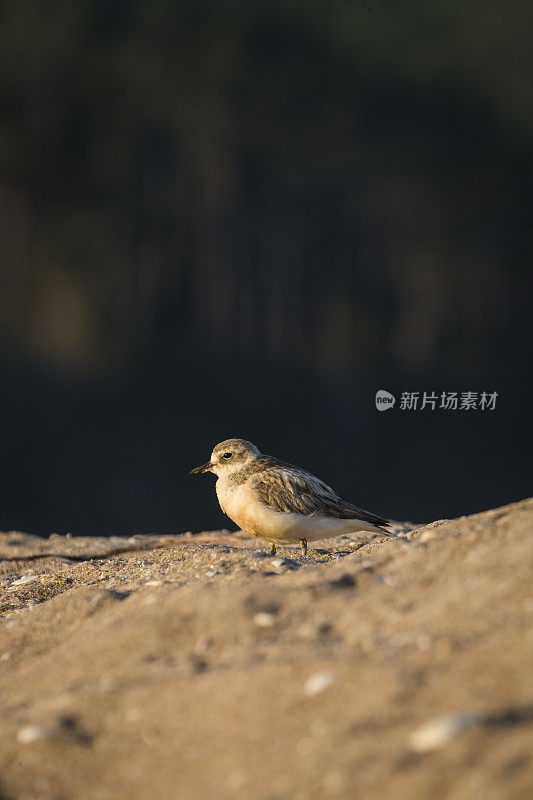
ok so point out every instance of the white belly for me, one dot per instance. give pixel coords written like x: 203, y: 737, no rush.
x: 257, y: 519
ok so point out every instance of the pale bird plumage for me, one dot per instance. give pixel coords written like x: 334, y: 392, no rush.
x: 278, y: 502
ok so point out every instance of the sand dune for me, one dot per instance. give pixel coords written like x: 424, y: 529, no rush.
x: 200, y: 667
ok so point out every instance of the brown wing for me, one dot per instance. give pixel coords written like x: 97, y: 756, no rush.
x: 289, y: 489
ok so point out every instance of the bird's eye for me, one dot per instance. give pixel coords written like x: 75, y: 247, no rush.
x: 227, y: 455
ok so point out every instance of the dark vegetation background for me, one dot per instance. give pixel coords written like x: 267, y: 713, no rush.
x: 243, y: 218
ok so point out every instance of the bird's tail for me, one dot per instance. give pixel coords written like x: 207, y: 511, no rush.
x: 376, y: 528
x: 369, y: 521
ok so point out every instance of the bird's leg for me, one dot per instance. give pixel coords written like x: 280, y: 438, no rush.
x: 273, y: 550
x: 303, y: 544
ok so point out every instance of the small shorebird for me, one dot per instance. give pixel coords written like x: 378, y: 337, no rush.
x: 278, y: 502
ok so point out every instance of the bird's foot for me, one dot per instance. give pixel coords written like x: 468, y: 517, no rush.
x: 303, y: 545
x: 273, y: 550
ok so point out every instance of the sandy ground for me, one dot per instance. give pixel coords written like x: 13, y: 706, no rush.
x: 205, y: 668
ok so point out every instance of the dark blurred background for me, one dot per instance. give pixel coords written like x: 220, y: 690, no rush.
x: 244, y: 218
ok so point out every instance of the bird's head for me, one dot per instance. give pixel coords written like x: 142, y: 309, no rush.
x: 229, y: 456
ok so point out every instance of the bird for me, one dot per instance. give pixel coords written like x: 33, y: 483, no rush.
x: 278, y: 502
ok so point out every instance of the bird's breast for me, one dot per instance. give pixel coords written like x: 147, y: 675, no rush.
x: 236, y: 502
x: 252, y: 516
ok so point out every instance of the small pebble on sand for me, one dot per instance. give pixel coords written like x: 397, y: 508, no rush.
x: 31, y: 733
x: 264, y: 620
x: 25, y: 579
x: 440, y: 731
x: 319, y: 682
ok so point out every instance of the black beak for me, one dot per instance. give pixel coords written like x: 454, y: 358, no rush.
x: 201, y: 468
